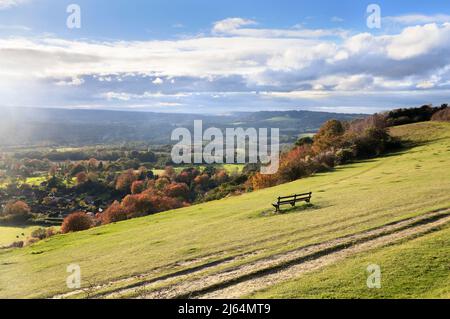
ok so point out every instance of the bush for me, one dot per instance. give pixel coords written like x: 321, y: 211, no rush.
x: 178, y: 190
x: 115, y: 213
x: 344, y: 156
x: 16, y: 212
x: 16, y: 244
x: 43, y: 233
x: 137, y: 187
x: 124, y: 181
x: 76, y: 222
x: 442, y: 115
x: 40, y: 233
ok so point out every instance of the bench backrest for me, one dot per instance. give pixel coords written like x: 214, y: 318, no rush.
x: 287, y: 199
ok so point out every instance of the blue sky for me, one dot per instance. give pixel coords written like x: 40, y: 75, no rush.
x: 220, y: 56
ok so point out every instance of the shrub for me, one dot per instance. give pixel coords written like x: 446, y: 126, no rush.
x: 137, y: 187
x: 16, y: 244
x: 306, y: 140
x: 114, y: 213
x: 221, y: 177
x: 149, y: 202
x: 81, y: 178
x: 40, y: 233
x: 16, y: 212
x: 43, y: 233
x: 76, y: 222
x: 124, y: 181
x: 260, y: 181
x: 442, y: 115
x: 345, y: 155
x: 178, y: 190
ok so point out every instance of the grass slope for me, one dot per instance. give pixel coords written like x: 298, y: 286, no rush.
x: 353, y: 198
x: 416, y: 269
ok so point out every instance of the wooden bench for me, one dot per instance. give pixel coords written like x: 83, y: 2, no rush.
x: 292, y: 200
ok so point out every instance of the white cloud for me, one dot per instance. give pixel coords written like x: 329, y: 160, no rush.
x: 6, y: 4
x: 71, y: 82
x: 14, y: 27
x: 234, y: 27
x: 234, y: 61
x: 158, y: 81
x: 418, y: 40
x: 337, y: 19
x: 412, y: 19
x: 231, y: 24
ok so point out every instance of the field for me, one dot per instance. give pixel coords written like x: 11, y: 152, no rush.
x: 8, y: 235
x: 229, y: 247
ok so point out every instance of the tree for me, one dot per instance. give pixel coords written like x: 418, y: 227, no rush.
x: 137, y: 187
x: 17, y: 212
x: 125, y: 180
x: 221, y: 177
x: 76, y: 222
x: 329, y: 136
x: 114, y: 213
x: 202, y: 181
x: 81, y: 178
x: 178, y: 190
x: 442, y: 115
x: 170, y: 173
x: 305, y: 140
x: 260, y: 181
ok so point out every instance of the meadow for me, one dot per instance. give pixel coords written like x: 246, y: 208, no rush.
x: 352, y: 198
x: 9, y: 235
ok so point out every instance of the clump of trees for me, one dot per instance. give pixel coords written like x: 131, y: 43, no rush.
x: 442, y: 115
x: 336, y: 143
x: 412, y: 115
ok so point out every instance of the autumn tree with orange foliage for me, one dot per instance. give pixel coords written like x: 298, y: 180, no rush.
x: 16, y: 212
x: 178, y: 190
x: 114, y: 213
x: 125, y: 180
x: 81, y: 178
x: 329, y: 136
x: 137, y: 187
x: 76, y: 222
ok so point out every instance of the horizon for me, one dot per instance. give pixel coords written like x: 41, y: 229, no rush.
x: 214, y: 58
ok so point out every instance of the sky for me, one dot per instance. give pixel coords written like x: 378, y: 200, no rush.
x: 198, y: 56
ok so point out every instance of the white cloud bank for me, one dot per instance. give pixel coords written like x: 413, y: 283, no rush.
x: 294, y: 64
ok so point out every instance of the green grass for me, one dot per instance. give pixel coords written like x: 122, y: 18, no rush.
x: 416, y: 269
x: 36, y: 181
x: 8, y: 235
x: 353, y: 198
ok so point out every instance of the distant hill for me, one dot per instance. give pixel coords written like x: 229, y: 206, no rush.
x: 23, y: 126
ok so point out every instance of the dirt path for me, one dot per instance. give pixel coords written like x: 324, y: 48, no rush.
x: 240, y: 280
x: 270, y: 278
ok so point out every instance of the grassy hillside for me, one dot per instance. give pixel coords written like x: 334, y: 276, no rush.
x: 351, y: 199
x: 416, y: 269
